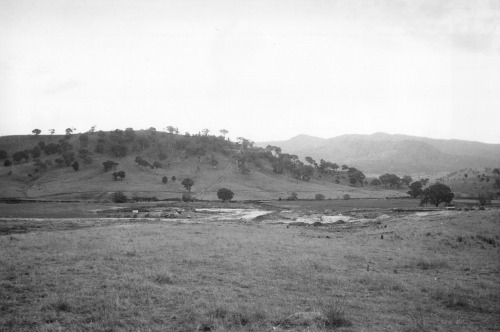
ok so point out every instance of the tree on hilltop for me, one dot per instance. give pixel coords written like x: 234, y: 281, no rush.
x: 36, y: 132
x: 223, y: 132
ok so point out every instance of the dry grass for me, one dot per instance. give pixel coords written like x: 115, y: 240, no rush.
x: 254, y: 277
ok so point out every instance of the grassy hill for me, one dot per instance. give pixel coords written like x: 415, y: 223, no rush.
x: 212, y: 162
x: 470, y: 182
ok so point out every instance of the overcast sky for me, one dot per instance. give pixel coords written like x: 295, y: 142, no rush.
x: 265, y: 70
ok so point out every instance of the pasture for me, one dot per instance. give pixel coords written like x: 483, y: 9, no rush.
x: 432, y: 271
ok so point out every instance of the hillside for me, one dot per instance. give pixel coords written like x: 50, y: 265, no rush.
x: 43, y: 168
x: 380, y: 153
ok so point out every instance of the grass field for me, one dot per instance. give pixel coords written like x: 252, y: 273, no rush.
x: 435, y: 271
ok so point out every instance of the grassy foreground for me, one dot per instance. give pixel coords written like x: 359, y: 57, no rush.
x: 427, y: 272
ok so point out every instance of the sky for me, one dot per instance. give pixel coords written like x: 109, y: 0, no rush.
x: 264, y: 70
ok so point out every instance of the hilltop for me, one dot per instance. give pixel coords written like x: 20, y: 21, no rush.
x: 401, y: 154
x: 43, y: 167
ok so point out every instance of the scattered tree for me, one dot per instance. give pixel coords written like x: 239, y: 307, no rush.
x: 172, y: 130
x: 35, y: 152
x: 84, y: 140
x: 347, y: 196
x: 188, y: 184
x: 36, y: 132
x: 69, y: 131
x: 173, y: 178
x: 76, y: 166
x: 293, y: 196
x: 164, y: 179
x: 7, y: 162
x: 52, y: 131
x: 437, y: 193
x: 223, y: 132
x: 496, y: 171
x: 415, y: 189
x: 109, y: 165
x: 406, y: 180
x: 20, y: 155
x: 225, y: 194
x: 375, y: 182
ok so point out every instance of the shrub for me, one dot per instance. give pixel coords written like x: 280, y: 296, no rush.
x: 76, y: 166
x: 186, y: 197
x: 335, y: 316
x: 347, y: 196
x: 319, y: 197
x: 7, y: 162
x: 225, y: 194
x: 119, y: 197
x: 293, y: 196
x: 164, y: 179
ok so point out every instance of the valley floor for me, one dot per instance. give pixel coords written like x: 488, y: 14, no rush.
x: 432, y: 271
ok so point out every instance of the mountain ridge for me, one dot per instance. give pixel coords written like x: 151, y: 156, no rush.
x: 380, y: 152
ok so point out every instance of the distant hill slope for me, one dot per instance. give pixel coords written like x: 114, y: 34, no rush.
x: 212, y: 162
x: 381, y: 153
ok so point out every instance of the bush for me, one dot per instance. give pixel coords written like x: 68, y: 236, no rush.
x: 7, y: 162
x: 225, y: 194
x: 119, y: 197
x: 347, y: 196
x: 319, y: 197
x: 76, y: 166
x: 293, y: 197
x: 164, y: 179
x: 186, y: 197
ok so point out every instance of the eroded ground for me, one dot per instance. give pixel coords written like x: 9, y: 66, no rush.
x: 431, y: 271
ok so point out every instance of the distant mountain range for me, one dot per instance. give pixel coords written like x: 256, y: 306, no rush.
x: 380, y: 153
